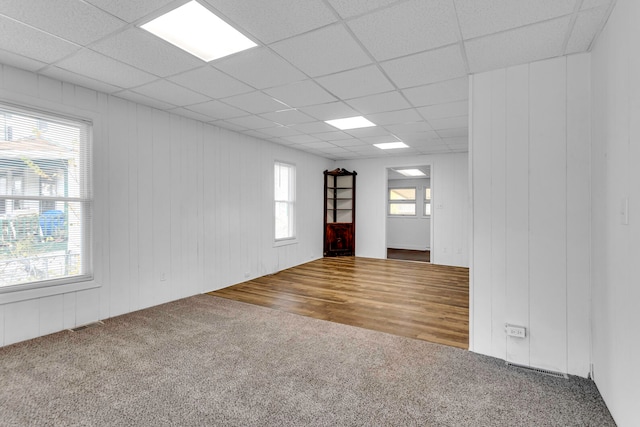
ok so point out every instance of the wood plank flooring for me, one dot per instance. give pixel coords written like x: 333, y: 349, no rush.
x: 417, y: 300
x: 409, y: 255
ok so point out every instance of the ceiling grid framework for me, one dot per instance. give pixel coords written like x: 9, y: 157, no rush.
x: 402, y: 64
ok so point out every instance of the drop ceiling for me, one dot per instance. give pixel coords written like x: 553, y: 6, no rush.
x: 402, y: 64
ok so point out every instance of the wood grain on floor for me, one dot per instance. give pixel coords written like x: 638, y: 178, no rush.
x: 418, y: 300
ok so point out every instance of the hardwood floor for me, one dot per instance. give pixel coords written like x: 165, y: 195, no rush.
x: 417, y: 300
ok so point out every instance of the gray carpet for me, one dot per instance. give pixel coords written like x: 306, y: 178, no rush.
x: 206, y: 361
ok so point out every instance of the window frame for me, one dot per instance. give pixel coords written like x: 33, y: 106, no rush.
x: 426, y: 201
x: 48, y: 287
x: 291, y: 203
x: 403, y: 202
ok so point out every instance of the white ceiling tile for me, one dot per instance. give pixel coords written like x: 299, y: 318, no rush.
x: 379, y: 139
x: 313, y: 127
x: 217, y: 110
x: 259, y: 68
x: 100, y: 67
x: 275, y: 19
x: 77, y: 79
x: 395, y: 117
x: 144, y: 100
x: 439, y: 93
x: 409, y: 128
x: 256, y: 134
x: 585, y: 29
x: 147, y: 52
x: 451, y: 109
x: 130, y: 11
x: 526, y: 44
x: 379, y: 103
x: 458, y: 141
x: 354, y: 83
x: 348, y: 8
x: 287, y: 117
x: 324, y: 51
x: 255, y: 103
x: 418, y: 137
x: 449, y: 123
x: 406, y: 28
x: 19, y: 61
x: 482, y: 17
x: 353, y: 142
x: 588, y: 4
x: 427, y: 67
x: 191, y: 114
x: 370, y: 131
x: 301, y: 94
x: 253, y: 122
x: 71, y: 20
x: 26, y: 41
x: 166, y: 91
x: 211, y: 82
x: 332, y: 136
x: 281, y: 131
x: 454, y: 133
x: 330, y: 111
x: 301, y: 139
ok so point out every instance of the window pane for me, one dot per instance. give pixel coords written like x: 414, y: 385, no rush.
x: 402, y: 194
x: 427, y: 194
x: 402, y: 209
x: 281, y: 182
x: 427, y: 208
x: 284, y: 199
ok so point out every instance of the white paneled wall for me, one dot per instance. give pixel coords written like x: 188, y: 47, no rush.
x: 450, y: 205
x: 531, y: 223
x: 181, y: 208
x: 616, y: 245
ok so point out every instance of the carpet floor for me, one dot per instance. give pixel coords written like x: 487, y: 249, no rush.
x: 207, y: 361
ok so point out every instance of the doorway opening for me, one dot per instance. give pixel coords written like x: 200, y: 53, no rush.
x: 409, y: 214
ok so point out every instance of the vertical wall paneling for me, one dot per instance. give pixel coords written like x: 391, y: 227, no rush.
x: 210, y: 209
x: 578, y: 213
x: 144, y: 171
x: 101, y: 251
x: 482, y: 164
x: 234, y: 196
x: 498, y: 210
x: 180, y: 138
x: 21, y: 321
x: 86, y: 301
x: 119, y: 257
x: 2, y: 310
x: 69, y: 310
x: 548, y: 214
x: 51, y: 314
x: 132, y: 213
x: 517, y: 210
x: 222, y: 188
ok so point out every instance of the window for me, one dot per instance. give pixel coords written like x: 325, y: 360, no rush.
x: 285, y: 201
x: 427, y: 201
x: 402, y: 201
x: 45, y: 199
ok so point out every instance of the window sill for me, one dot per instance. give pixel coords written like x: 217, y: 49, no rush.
x: 46, y: 289
x: 285, y: 242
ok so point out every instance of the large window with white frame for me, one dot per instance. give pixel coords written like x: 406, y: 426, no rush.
x: 285, y: 201
x: 45, y: 199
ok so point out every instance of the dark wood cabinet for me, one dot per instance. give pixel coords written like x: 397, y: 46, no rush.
x: 339, y: 212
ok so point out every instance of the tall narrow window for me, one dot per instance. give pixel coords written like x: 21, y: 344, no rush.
x: 45, y: 199
x: 285, y: 201
x: 427, y: 201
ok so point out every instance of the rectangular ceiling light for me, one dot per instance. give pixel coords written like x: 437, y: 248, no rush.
x: 410, y: 172
x: 350, y: 123
x: 195, y: 29
x: 391, y: 145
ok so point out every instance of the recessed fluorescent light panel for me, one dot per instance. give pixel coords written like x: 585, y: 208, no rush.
x: 350, y: 123
x: 194, y: 28
x: 410, y: 172
x: 391, y: 145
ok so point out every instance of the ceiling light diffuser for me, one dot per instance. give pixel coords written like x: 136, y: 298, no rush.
x: 391, y: 145
x: 411, y: 172
x: 195, y: 29
x: 350, y: 123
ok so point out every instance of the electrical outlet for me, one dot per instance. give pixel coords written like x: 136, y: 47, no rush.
x: 247, y: 274
x: 516, y: 331
x: 163, y: 277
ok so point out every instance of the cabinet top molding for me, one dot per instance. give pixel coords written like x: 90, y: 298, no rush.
x: 339, y: 171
